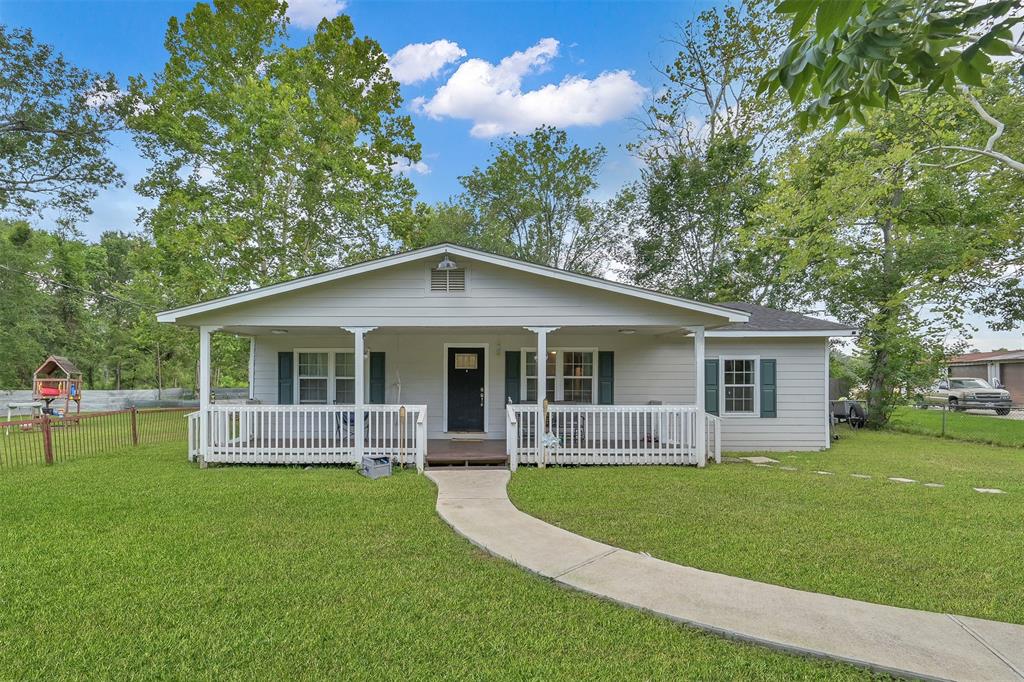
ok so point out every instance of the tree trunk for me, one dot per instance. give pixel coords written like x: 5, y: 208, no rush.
x: 880, y: 383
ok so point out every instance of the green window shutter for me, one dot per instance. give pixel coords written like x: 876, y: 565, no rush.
x: 285, y: 377
x: 605, y: 377
x: 512, y: 362
x: 377, y: 373
x: 769, y: 397
x: 711, y: 386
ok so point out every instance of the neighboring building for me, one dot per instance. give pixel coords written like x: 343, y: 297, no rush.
x: 453, y: 335
x: 1007, y: 366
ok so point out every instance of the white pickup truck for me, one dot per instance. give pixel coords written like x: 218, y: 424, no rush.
x: 968, y: 394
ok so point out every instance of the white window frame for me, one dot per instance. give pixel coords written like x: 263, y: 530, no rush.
x: 756, y: 359
x: 559, y: 372
x: 331, y: 374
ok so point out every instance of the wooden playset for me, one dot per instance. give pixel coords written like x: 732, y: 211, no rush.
x: 58, y: 379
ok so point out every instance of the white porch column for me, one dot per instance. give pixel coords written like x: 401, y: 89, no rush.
x: 205, y: 334
x: 542, y: 386
x: 360, y: 407
x: 698, y: 374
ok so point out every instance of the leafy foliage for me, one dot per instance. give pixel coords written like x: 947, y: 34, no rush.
x: 859, y: 54
x: 706, y: 150
x: 95, y: 303
x: 55, y: 119
x: 532, y: 201
x: 268, y: 161
x: 881, y: 240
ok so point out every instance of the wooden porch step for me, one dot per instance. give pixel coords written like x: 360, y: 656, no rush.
x: 467, y: 459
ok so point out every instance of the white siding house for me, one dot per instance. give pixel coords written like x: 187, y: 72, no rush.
x: 447, y: 340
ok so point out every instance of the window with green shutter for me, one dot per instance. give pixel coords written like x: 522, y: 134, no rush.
x: 512, y: 365
x: 711, y: 386
x: 285, y: 377
x: 605, y: 377
x: 377, y: 374
x: 769, y: 396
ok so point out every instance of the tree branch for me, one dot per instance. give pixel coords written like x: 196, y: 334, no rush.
x: 989, y: 149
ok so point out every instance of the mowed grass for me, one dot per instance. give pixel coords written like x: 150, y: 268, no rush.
x: 941, y: 549
x: 976, y: 428
x: 137, y: 564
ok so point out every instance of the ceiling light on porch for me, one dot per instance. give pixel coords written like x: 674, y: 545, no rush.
x: 627, y: 331
x: 279, y: 331
x: 447, y: 264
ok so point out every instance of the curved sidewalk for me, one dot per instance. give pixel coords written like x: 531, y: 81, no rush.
x: 900, y: 641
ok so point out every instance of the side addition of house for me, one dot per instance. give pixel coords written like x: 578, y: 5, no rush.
x: 410, y: 354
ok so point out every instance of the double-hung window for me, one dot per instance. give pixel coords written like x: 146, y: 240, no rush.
x: 571, y: 375
x: 325, y: 377
x: 578, y: 376
x: 739, y: 384
x: 530, y: 364
x: 344, y: 378
x: 313, y: 378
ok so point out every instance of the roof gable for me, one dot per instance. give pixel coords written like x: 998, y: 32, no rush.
x: 725, y: 314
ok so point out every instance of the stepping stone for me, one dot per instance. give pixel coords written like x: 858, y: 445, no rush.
x: 993, y: 491
x: 764, y: 465
x: 860, y: 475
x: 825, y: 473
x: 934, y: 485
x: 902, y: 480
x: 789, y: 468
x: 760, y: 460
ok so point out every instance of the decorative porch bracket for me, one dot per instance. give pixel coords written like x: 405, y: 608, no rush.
x: 360, y: 407
x: 542, y: 384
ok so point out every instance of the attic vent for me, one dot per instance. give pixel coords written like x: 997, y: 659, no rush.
x: 448, y: 280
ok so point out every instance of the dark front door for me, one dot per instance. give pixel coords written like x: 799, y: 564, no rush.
x: 465, y: 389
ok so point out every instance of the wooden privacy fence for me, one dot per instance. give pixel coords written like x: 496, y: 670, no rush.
x: 45, y: 440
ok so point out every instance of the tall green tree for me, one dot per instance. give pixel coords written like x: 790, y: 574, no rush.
x: 269, y: 159
x: 534, y: 201
x: 55, y: 121
x: 896, y: 249
x: 706, y: 147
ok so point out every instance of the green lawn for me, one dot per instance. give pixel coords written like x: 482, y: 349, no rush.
x: 941, y: 549
x: 137, y: 564
x: 977, y: 428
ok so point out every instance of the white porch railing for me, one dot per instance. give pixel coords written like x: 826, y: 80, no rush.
x: 604, y: 434
x: 713, y: 436
x: 193, y: 435
x: 311, y: 434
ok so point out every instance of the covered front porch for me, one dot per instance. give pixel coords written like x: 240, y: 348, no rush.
x: 430, y: 396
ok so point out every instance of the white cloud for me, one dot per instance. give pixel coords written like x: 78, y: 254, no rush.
x: 491, y: 96
x: 420, y: 61
x: 404, y: 165
x: 308, y: 13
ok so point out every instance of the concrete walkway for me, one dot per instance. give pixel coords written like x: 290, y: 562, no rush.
x: 885, y: 638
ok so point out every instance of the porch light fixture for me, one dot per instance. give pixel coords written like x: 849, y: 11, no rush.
x: 279, y: 332
x: 447, y: 264
x: 627, y: 331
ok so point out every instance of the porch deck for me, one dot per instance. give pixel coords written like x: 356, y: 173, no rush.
x: 443, y: 452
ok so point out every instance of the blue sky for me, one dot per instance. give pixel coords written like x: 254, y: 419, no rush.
x: 561, y: 59
x: 622, y: 39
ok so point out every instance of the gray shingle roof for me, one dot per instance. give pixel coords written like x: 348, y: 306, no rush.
x: 764, y: 319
